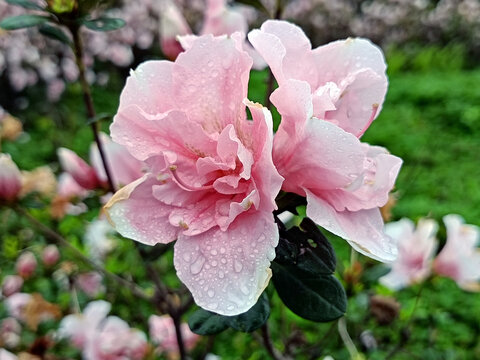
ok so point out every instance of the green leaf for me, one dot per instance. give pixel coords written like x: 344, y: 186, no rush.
x: 307, y: 249
x: 22, y: 21
x: 99, y: 117
x: 203, y: 322
x: 104, y: 24
x: 257, y: 4
x: 25, y: 4
x: 253, y: 319
x: 54, y: 33
x: 317, y: 298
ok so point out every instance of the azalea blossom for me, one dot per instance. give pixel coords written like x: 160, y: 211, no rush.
x: 101, y: 337
x: 219, y: 19
x: 26, y: 264
x: 11, y: 284
x: 162, y: 332
x: 50, y: 255
x: 10, y: 178
x: 210, y: 183
x: 460, y: 257
x: 327, y: 97
x: 416, y: 249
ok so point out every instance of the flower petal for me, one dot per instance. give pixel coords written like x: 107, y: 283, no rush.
x: 211, y: 80
x: 227, y: 271
x: 362, y: 229
x: 138, y: 215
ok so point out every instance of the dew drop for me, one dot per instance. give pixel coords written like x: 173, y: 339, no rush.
x: 211, y: 293
x: 261, y: 238
x: 244, y: 289
x: 237, y: 266
x: 197, y: 266
x: 214, y: 252
x: 186, y: 257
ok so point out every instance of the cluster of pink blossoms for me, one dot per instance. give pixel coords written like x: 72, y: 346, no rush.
x: 459, y: 259
x: 213, y: 175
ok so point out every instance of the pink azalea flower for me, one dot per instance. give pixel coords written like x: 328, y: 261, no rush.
x: 172, y: 24
x: 124, y: 167
x: 162, y: 332
x: 81, y: 172
x: 16, y: 303
x: 460, y: 257
x: 211, y: 183
x: 10, y: 178
x: 90, y: 283
x: 11, y: 284
x: 316, y: 148
x: 347, y: 77
x: 7, y: 355
x: 416, y: 248
x: 50, y: 255
x: 101, y: 337
x: 26, y: 264
x: 68, y: 188
x: 10, y: 331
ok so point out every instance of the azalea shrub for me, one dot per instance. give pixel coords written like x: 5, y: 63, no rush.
x: 204, y: 212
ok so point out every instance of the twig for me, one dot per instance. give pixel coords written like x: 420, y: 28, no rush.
x: 88, y: 100
x: 59, y: 239
x: 267, y: 341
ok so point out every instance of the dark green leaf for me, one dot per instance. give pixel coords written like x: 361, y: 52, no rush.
x: 257, y: 4
x: 372, y: 274
x: 54, y: 33
x: 25, y: 4
x: 318, y: 298
x: 307, y: 249
x: 253, y: 318
x: 99, y: 117
x: 203, y: 322
x: 22, y: 21
x: 104, y: 24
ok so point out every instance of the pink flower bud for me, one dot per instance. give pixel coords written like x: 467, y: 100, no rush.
x: 10, y: 331
x: 90, y: 283
x: 10, y: 178
x: 26, y: 264
x: 50, y: 255
x: 82, y: 173
x: 11, y: 284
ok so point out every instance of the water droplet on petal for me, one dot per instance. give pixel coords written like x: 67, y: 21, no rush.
x: 211, y: 293
x: 197, y: 266
x: 237, y: 265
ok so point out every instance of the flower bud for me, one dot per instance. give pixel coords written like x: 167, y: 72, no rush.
x: 26, y: 264
x: 10, y: 178
x: 81, y: 172
x: 11, y: 285
x: 50, y: 255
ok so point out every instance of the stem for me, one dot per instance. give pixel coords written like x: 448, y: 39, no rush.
x: 60, y: 240
x: 270, y: 81
x: 178, y: 333
x: 267, y: 341
x: 347, y: 340
x: 88, y: 100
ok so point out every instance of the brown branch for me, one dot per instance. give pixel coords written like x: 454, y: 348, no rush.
x: 267, y: 341
x: 88, y: 100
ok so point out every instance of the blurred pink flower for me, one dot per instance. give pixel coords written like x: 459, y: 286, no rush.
x: 10, y: 178
x: 416, y: 249
x: 50, y: 255
x: 162, y: 333
x: 16, y: 303
x: 327, y: 97
x: 10, y: 331
x: 172, y: 24
x: 101, y: 337
x: 81, y: 172
x: 11, y: 284
x: 460, y: 257
x: 26, y: 264
x: 90, y: 283
x: 6, y: 355
x: 211, y: 183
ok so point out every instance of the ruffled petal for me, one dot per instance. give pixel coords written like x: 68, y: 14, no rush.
x: 138, y: 215
x: 227, y: 271
x: 362, y: 229
x: 219, y: 71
